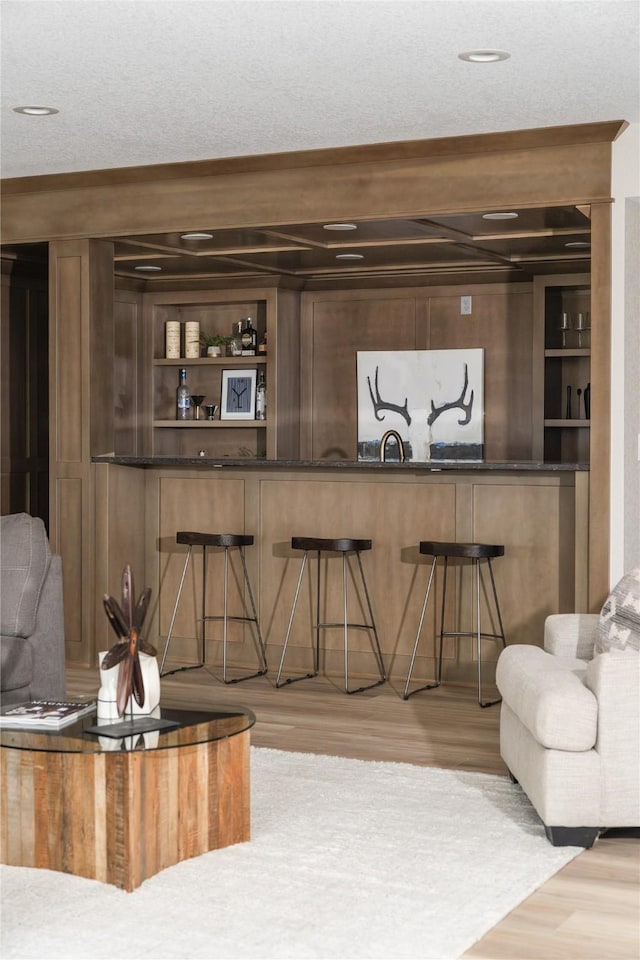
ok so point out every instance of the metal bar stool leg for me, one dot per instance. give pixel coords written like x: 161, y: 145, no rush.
x: 204, y: 604
x: 429, y: 686
x: 376, y: 639
x: 346, y: 627
x: 444, y: 598
x: 261, y: 645
x: 286, y: 639
x: 500, y: 636
x: 226, y: 617
x: 316, y: 652
x: 173, y: 620
x: 225, y: 613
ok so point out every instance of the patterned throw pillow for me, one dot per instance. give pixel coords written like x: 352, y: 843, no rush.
x: 619, y: 626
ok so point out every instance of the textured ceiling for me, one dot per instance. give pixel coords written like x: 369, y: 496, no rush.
x: 154, y: 81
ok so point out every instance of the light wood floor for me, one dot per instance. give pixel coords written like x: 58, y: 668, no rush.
x: 589, y: 911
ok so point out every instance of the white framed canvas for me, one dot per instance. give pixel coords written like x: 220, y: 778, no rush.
x: 238, y: 401
x: 434, y: 399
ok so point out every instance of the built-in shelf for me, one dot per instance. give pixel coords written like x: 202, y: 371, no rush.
x: 210, y: 362
x: 209, y: 424
x: 568, y: 352
x: 567, y: 423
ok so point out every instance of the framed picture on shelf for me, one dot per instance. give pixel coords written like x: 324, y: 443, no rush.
x: 238, y: 401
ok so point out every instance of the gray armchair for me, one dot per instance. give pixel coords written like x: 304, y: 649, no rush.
x: 32, y: 656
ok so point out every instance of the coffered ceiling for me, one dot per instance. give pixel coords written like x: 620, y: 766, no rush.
x: 517, y: 246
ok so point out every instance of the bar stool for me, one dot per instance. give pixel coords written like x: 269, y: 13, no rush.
x: 346, y: 547
x: 476, y: 552
x: 228, y: 541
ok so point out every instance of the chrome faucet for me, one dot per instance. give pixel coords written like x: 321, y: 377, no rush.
x: 383, y: 445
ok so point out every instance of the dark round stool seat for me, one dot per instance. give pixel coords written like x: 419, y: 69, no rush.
x: 471, y: 551
x: 192, y: 539
x: 343, y: 545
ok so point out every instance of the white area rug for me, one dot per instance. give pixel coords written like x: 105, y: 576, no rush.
x: 347, y: 859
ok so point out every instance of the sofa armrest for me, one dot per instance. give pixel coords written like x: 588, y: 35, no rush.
x: 571, y: 635
x: 614, y: 679
x: 47, y: 640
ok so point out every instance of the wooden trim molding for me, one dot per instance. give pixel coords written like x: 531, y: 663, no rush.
x: 504, y: 171
x: 604, y: 132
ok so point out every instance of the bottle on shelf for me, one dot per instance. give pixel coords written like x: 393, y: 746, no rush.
x: 183, y: 397
x: 262, y: 346
x: 249, y: 339
x: 236, y: 342
x: 261, y: 397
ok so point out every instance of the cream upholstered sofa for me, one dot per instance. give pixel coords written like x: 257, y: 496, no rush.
x: 570, y: 719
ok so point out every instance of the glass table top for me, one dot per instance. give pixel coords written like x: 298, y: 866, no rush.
x: 189, y: 727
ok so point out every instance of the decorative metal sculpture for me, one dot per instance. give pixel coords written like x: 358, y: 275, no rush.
x: 126, y: 619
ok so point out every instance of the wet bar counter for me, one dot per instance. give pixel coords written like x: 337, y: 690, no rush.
x: 431, y: 465
x: 538, y: 511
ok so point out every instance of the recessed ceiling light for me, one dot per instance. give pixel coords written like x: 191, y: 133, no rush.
x: 500, y: 216
x: 197, y: 236
x: 484, y: 56
x: 578, y: 243
x: 150, y: 268
x: 340, y: 226
x: 36, y: 111
x: 349, y: 256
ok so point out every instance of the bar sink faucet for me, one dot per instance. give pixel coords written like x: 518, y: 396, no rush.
x: 383, y: 445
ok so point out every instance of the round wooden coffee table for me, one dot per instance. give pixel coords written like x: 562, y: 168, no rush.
x: 121, y: 810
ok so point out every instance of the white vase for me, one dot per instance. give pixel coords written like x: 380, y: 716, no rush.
x: 107, y: 707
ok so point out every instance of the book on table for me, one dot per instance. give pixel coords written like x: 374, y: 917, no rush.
x: 48, y: 714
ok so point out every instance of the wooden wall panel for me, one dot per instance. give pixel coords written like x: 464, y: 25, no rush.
x: 67, y: 358
x: 128, y: 374
x: 336, y: 330
x: 336, y: 327
x: 119, y: 539
x: 502, y: 325
x: 535, y: 577
x: 283, y: 377
x: 77, y: 564
x: 81, y: 419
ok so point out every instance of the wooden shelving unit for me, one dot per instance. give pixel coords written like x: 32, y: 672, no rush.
x: 559, y: 369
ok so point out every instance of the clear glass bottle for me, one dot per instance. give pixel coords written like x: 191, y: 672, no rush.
x: 183, y: 397
x: 236, y: 343
x: 261, y: 397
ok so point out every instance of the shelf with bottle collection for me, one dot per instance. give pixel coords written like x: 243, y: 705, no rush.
x: 562, y: 317
x: 185, y: 325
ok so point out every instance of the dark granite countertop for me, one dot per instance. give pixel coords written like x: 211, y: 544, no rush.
x: 535, y: 466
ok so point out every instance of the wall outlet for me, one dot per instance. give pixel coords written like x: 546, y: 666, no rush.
x: 465, y: 306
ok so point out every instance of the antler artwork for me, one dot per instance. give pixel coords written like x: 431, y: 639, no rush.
x: 379, y: 404
x: 459, y: 403
x: 127, y: 619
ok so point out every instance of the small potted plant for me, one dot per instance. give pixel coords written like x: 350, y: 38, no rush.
x: 214, y: 343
